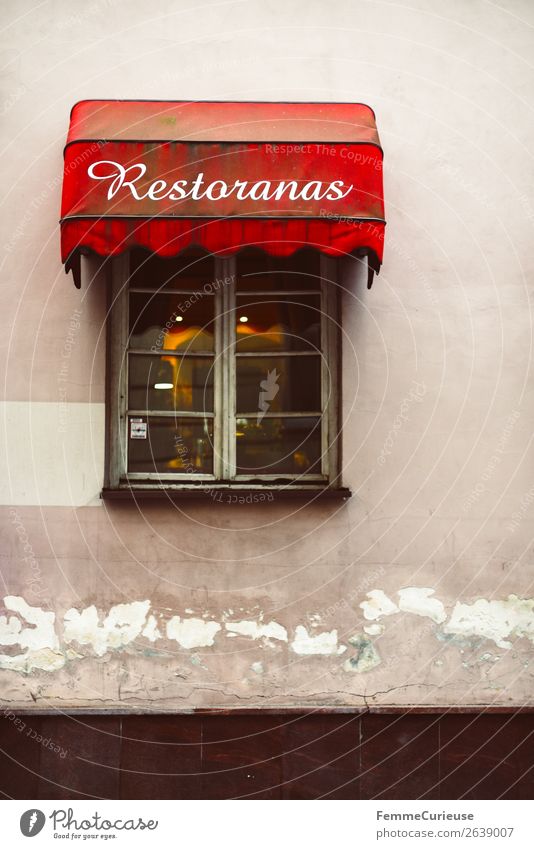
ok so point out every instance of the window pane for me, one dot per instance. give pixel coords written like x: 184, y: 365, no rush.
x: 179, y: 445
x: 278, y: 384
x: 257, y: 271
x: 172, y: 322
x: 190, y: 270
x: 170, y: 383
x: 278, y: 446
x: 273, y: 323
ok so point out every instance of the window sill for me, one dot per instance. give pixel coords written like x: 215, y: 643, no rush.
x: 225, y: 494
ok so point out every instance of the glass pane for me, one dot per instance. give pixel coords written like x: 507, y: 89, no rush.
x: 257, y: 271
x: 190, y: 270
x: 270, y: 323
x: 170, y: 383
x: 172, y: 322
x: 278, y: 384
x: 182, y: 446
x: 278, y: 446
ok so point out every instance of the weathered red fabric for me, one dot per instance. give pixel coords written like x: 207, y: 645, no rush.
x: 225, y: 142
x: 222, y: 236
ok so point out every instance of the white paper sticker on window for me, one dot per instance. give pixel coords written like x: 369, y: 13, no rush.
x: 138, y: 429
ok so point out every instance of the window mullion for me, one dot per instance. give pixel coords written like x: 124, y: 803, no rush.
x: 230, y: 369
x: 225, y: 381
x: 219, y: 435
x: 330, y: 367
x: 117, y: 340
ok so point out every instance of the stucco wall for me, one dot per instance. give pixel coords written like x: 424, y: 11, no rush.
x: 419, y: 589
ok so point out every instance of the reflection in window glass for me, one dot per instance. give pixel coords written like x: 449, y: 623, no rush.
x: 170, y: 383
x: 270, y: 323
x: 274, y: 390
x: 179, y: 445
x: 278, y: 384
x: 171, y: 322
x: 281, y: 446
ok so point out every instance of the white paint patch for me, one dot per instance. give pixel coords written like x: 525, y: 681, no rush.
x: 45, y: 659
x: 378, y: 605
x: 417, y: 600
x: 40, y: 641
x: 493, y: 620
x: 257, y: 667
x: 374, y: 630
x: 192, y: 633
x: 123, y: 624
x: 256, y: 630
x: 151, y: 630
x: 41, y: 635
x: 52, y: 453
x: 324, y: 643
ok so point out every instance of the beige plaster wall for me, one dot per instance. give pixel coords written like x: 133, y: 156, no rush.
x: 419, y: 589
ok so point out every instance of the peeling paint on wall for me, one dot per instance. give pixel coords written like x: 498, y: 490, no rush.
x: 374, y: 630
x: 40, y: 641
x: 192, y: 633
x: 43, y: 648
x: 324, y: 643
x: 151, y: 631
x: 417, y: 600
x: 255, y: 630
x: 378, y: 605
x: 366, y: 657
x: 121, y: 626
x: 494, y: 620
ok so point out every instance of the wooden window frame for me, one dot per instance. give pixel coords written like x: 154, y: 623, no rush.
x: 116, y: 475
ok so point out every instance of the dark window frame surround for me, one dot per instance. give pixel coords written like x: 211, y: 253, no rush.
x: 119, y: 484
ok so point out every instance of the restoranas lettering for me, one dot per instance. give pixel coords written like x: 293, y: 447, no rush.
x: 127, y: 179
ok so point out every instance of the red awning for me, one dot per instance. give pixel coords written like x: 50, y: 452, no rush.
x: 168, y: 175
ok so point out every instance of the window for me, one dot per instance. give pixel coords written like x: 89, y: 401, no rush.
x: 223, y: 371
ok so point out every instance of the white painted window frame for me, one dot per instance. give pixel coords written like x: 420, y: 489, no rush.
x: 116, y: 474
